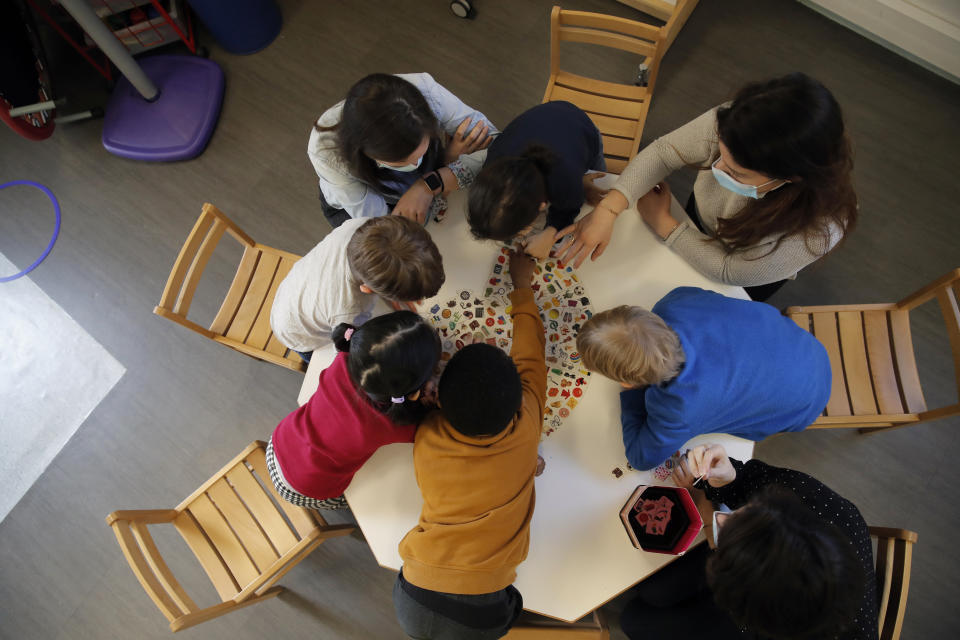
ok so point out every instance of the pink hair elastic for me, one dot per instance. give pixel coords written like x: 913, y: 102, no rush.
x: 347, y: 334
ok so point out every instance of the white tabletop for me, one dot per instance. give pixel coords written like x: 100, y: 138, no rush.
x: 580, y: 555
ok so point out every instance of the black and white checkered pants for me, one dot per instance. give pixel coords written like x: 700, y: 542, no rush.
x: 292, y: 496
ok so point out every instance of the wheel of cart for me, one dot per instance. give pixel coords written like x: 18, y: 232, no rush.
x: 463, y: 9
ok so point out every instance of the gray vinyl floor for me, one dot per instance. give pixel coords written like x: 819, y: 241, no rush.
x: 186, y: 405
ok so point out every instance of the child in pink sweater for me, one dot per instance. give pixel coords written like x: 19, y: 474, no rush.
x: 368, y: 397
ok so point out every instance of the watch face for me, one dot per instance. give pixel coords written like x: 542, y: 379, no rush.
x: 433, y: 181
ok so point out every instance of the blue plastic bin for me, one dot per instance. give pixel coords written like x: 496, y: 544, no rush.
x: 240, y: 26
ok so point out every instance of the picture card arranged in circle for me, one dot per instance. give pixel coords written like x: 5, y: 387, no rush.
x: 484, y: 316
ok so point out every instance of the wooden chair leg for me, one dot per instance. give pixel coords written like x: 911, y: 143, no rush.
x: 216, y: 611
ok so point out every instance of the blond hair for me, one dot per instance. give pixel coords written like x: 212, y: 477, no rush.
x: 631, y: 345
x: 396, y: 258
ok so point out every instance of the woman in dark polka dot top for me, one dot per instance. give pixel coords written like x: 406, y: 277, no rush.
x: 793, y: 560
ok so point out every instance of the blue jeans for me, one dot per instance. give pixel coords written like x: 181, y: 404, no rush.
x: 425, y: 623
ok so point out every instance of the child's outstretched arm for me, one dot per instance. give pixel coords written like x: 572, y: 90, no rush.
x: 528, y: 338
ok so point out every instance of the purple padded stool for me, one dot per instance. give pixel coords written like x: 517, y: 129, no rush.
x: 176, y: 125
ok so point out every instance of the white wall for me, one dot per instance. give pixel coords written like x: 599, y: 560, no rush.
x: 926, y: 31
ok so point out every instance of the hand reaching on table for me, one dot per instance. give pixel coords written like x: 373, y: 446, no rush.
x: 469, y: 137
x: 539, y: 245
x: 654, y: 208
x: 591, y: 192
x: 591, y: 233
x: 415, y: 203
x: 521, y: 269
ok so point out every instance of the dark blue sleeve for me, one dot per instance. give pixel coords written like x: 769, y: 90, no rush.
x: 643, y: 443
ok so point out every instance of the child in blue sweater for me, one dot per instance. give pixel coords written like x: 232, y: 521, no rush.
x: 704, y: 363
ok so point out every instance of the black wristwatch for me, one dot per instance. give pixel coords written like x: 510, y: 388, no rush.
x: 434, y: 181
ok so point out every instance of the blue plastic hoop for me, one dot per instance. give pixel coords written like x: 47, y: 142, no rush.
x: 56, y: 229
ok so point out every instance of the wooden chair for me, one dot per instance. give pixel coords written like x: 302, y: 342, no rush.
x: 875, y: 381
x: 618, y: 110
x: 674, y: 15
x: 242, y: 533
x: 243, y: 322
x: 530, y: 626
x: 894, y: 553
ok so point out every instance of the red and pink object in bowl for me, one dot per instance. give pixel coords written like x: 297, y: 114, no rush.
x: 661, y: 519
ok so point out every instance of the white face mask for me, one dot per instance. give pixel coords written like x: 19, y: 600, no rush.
x: 716, y: 527
x: 748, y: 190
x: 407, y: 168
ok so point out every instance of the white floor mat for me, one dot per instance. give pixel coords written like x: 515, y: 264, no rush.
x: 52, y: 375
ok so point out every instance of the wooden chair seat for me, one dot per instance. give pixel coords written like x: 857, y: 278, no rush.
x: 893, y: 564
x: 875, y: 382
x: 618, y: 110
x: 243, y: 321
x: 240, y: 531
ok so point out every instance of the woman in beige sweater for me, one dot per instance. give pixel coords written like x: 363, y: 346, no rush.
x: 774, y: 192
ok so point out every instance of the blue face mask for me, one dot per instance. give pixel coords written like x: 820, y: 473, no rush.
x: 747, y: 190
x: 407, y: 168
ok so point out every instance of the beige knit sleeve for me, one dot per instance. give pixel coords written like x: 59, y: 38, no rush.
x: 691, y: 144
x: 761, y: 264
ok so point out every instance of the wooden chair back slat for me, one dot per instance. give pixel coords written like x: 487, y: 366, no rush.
x: 592, y: 103
x: 302, y: 519
x: 224, y: 539
x: 882, y: 371
x: 197, y: 265
x: 802, y: 320
x: 616, y: 165
x: 236, y: 292
x: 825, y: 329
x: 617, y: 127
x: 247, y: 529
x: 906, y: 363
x: 295, y: 364
x: 207, y: 555
x: 142, y: 570
x: 604, y: 39
x: 160, y: 569
x: 255, y: 298
x: 884, y: 575
x: 856, y: 371
x: 184, y: 260
x: 621, y: 147
x: 260, y: 332
x: 263, y: 508
x: 277, y: 348
x: 602, y: 88
x: 947, y: 297
x: 625, y: 26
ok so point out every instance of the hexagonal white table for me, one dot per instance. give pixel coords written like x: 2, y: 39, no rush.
x: 580, y: 556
